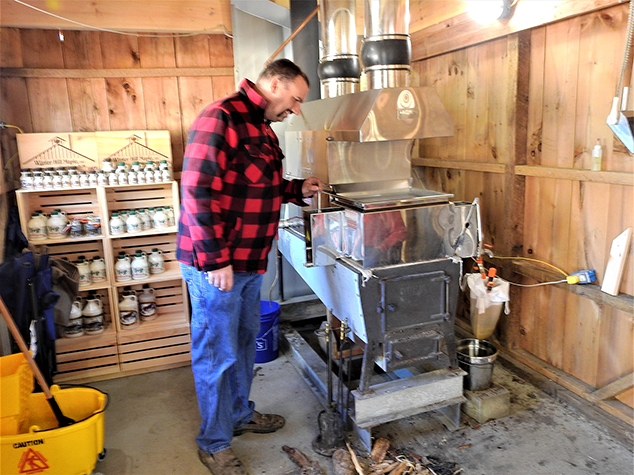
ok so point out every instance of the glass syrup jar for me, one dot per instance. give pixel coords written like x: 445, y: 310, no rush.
x: 92, y: 179
x: 140, y: 177
x: 133, y: 178
x: 77, y: 228
x: 65, y: 179
x: 102, y: 178
x: 158, y: 176
x: 74, y: 178
x: 93, y: 225
x: 106, y: 166
x: 84, y: 181
x: 47, y: 179
x: 122, y: 178
x: 26, y: 179
x: 57, y: 181
x: 121, y: 168
x: 38, y: 179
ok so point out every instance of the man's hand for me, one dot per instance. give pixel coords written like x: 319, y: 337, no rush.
x: 311, y: 186
x: 221, y: 278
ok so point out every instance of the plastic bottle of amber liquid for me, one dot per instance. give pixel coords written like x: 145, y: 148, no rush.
x: 597, y: 156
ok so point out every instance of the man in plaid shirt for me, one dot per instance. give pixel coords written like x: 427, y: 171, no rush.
x: 231, y: 193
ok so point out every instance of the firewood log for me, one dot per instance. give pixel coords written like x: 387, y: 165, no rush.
x: 342, y: 463
x: 379, y: 450
x: 355, y: 461
x: 308, y: 467
x: 399, y: 469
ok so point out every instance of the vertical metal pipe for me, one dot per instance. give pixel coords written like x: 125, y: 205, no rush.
x: 329, y: 356
x: 339, y: 67
x: 386, y: 53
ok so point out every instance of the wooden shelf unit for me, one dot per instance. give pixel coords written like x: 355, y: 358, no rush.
x: 158, y: 344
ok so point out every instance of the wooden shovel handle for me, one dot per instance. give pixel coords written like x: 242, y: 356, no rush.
x: 17, y: 336
x: 293, y: 35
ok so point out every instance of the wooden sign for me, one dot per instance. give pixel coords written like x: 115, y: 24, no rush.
x: 57, y: 150
x: 87, y: 150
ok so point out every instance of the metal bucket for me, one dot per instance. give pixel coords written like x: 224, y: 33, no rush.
x: 476, y: 357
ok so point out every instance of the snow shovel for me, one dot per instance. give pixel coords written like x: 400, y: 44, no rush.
x: 61, y: 418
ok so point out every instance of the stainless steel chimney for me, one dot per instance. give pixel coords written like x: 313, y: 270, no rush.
x: 386, y: 53
x: 339, y: 68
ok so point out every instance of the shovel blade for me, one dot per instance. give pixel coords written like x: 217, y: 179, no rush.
x: 623, y: 130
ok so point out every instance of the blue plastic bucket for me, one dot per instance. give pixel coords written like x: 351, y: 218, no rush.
x: 266, y: 343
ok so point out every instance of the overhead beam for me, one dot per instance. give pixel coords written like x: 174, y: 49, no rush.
x: 173, y: 16
x: 461, y: 30
x: 114, y: 73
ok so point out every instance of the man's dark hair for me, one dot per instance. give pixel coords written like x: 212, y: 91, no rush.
x: 284, y: 69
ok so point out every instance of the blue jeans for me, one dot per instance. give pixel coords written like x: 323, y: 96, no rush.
x: 224, y: 327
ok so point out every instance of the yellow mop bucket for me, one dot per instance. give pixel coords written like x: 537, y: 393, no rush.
x: 16, y: 385
x: 48, y: 450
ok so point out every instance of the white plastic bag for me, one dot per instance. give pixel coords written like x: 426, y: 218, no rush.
x: 486, y: 307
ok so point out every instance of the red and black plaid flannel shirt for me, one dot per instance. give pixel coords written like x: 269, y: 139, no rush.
x: 232, y: 186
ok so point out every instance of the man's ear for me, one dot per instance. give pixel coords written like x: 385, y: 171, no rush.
x: 274, y: 84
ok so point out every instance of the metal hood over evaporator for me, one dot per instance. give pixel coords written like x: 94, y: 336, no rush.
x: 365, y: 137
x: 377, y: 115
x: 360, y: 138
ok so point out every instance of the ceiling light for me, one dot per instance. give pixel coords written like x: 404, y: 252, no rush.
x: 488, y: 10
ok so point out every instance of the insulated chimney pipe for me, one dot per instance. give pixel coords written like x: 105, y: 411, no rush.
x: 339, y: 68
x: 386, y: 53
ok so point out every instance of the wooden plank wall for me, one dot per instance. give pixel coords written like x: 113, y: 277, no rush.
x: 525, y: 106
x: 93, y: 81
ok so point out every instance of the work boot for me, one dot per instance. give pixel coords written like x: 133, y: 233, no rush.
x: 261, y: 424
x: 222, y: 463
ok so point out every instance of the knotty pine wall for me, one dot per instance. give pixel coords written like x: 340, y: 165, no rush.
x: 528, y: 108
x: 94, y: 81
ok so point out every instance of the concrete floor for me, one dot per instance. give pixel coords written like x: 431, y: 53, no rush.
x: 153, y: 418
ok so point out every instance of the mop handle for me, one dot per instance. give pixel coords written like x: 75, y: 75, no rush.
x: 25, y: 351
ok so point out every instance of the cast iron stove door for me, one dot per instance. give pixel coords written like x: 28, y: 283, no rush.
x: 414, y: 315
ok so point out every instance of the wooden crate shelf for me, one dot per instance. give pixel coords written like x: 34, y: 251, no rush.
x: 157, y: 344
x: 171, y: 308
x: 77, y: 203
x: 88, y: 248
x: 149, y: 347
x: 87, y: 355
x: 170, y: 273
x: 148, y: 232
